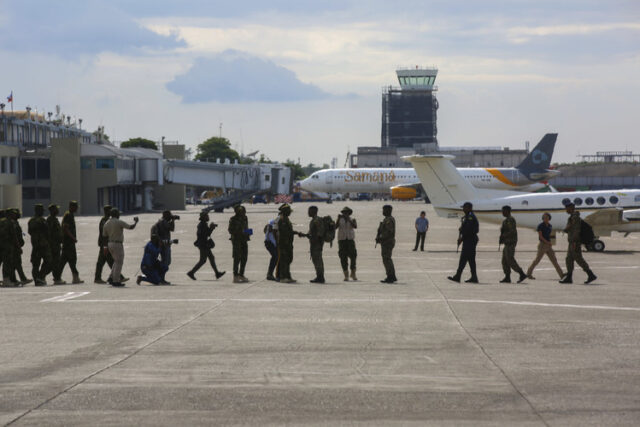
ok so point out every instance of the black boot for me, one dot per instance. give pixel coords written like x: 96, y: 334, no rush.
x: 455, y: 278
x: 472, y: 280
x: 522, y: 277
x: 506, y: 279
x: 568, y: 278
x: 591, y: 277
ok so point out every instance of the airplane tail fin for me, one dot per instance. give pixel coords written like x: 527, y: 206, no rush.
x: 539, y: 159
x: 441, y: 180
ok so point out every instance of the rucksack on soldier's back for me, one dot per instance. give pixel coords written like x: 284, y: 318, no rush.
x: 586, y: 233
x: 329, y: 229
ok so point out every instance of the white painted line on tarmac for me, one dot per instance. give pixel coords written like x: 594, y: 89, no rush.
x: 543, y: 304
x: 66, y: 297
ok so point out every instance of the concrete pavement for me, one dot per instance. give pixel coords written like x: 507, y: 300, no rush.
x: 422, y: 351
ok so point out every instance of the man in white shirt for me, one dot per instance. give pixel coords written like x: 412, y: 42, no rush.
x: 113, y: 230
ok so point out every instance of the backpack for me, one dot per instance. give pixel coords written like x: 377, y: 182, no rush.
x: 586, y: 233
x: 329, y: 229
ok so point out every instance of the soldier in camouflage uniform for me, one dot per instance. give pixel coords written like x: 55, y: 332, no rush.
x: 104, y: 256
x: 8, y: 243
x: 17, y: 253
x: 40, y: 251
x: 509, y: 238
x: 316, y: 242
x: 387, y: 238
x: 239, y: 231
x: 69, y: 241
x: 285, y: 244
x: 55, y: 243
x: 574, y: 250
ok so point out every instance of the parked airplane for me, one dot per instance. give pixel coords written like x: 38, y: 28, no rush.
x: 403, y: 183
x: 606, y: 211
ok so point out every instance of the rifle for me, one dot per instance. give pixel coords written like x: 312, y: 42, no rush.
x: 378, y: 235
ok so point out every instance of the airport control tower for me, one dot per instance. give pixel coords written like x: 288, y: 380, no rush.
x: 409, y: 112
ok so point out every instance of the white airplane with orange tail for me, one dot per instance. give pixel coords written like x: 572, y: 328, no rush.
x: 404, y: 184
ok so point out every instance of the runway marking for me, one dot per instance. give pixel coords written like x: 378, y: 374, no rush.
x: 66, y: 297
x: 354, y: 300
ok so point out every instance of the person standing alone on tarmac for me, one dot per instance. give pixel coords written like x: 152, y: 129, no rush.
x: 316, y: 242
x: 346, y: 242
x: 69, y: 241
x: 40, y: 251
x: 285, y: 244
x: 114, y: 231
x: 509, y: 238
x: 422, y: 226
x: 574, y: 250
x: 544, y: 247
x: 104, y: 256
x: 55, y: 244
x: 205, y: 244
x: 239, y: 231
x: 387, y: 238
x: 468, y: 236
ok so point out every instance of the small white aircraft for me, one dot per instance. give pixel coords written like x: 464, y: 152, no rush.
x: 605, y: 211
x: 403, y: 183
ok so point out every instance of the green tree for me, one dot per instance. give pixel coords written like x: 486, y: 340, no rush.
x: 139, y: 142
x: 296, y: 169
x: 216, y: 148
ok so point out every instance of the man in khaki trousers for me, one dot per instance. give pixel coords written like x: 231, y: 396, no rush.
x: 113, y: 230
x: 544, y: 247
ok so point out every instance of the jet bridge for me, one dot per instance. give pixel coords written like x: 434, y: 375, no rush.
x: 239, y: 179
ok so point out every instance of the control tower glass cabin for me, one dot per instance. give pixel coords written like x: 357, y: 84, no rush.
x: 409, y: 112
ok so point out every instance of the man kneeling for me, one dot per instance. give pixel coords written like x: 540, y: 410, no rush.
x: 152, y: 268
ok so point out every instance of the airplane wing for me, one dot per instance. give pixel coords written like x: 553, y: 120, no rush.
x: 605, y: 218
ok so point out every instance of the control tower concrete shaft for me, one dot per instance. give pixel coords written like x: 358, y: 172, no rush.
x: 409, y: 112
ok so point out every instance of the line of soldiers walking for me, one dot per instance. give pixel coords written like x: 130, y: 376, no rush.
x: 53, y: 245
x: 279, y: 239
x: 468, y: 237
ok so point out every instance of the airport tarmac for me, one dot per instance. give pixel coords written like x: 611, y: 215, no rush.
x: 422, y: 351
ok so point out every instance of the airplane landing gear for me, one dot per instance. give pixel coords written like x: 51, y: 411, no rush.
x: 597, y: 246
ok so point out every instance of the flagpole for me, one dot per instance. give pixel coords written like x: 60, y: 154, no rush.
x: 12, y: 103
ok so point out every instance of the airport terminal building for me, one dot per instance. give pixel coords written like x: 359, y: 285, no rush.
x: 50, y: 161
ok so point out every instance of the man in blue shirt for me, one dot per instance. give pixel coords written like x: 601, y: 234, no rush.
x: 151, y: 266
x: 422, y: 225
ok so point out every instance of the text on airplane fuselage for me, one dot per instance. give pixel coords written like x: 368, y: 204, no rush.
x: 351, y: 176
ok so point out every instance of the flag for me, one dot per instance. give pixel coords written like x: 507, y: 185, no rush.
x: 10, y: 97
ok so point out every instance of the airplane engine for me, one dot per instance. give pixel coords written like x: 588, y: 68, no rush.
x: 403, y: 193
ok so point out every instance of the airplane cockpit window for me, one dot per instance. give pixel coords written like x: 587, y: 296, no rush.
x: 601, y: 200
x: 613, y: 200
x: 577, y: 201
x: 314, y: 176
x: 588, y: 201
x: 566, y: 201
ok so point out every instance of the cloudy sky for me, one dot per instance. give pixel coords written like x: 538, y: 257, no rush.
x: 303, y: 79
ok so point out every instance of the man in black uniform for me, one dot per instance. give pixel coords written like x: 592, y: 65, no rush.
x: 69, y: 240
x: 205, y: 244
x: 469, y: 238
x: 163, y: 229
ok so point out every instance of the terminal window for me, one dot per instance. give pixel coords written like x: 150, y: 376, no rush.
x: 3, y: 165
x: 28, y: 169
x: 104, y: 164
